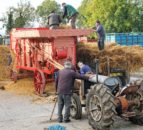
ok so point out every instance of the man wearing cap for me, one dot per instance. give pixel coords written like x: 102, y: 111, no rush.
x: 84, y: 69
x: 64, y: 87
x: 70, y: 13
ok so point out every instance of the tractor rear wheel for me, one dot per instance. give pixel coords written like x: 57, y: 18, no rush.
x: 39, y: 82
x: 76, y: 108
x: 100, y: 107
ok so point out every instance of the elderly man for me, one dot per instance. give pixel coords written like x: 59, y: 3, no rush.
x: 70, y: 13
x: 65, y: 86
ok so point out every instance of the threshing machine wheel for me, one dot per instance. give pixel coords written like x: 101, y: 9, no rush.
x: 39, y: 82
x: 100, y: 107
x: 13, y: 76
x: 138, y: 119
x: 76, y: 108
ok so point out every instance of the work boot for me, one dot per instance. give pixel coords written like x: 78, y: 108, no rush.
x: 67, y: 121
x: 60, y: 121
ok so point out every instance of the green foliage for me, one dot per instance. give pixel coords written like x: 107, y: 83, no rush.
x: 20, y: 16
x: 9, y: 24
x: 45, y: 9
x: 19, y: 22
x: 23, y: 14
x: 115, y: 15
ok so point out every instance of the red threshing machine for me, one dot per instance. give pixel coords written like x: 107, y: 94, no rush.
x: 43, y: 51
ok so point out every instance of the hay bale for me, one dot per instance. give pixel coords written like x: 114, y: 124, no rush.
x: 26, y: 87
x: 63, y: 26
x: 120, y: 56
x: 21, y: 87
x: 41, y: 100
x: 4, y: 68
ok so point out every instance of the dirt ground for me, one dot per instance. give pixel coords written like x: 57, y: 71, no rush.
x: 18, y: 112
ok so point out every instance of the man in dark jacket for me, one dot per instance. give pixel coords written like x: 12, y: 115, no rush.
x: 70, y: 13
x: 54, y: 20
x: 65, y: 86
x: 101, y: 34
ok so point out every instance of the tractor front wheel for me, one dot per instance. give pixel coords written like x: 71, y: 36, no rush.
x: 76, y: 108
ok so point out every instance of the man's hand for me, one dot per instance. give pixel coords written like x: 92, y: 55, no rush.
x: 89, y: 75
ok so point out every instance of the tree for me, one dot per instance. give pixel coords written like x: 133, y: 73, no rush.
x: 24, y: 14
x: 9, y: 24
x: 20, y: 21
x: 45, y: 9
x: 20, y: 16
x: 115, y: 15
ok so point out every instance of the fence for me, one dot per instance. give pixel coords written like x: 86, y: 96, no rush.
x: 128, y: 39
x: 5, y: 40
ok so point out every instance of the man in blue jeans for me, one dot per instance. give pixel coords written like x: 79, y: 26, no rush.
x: 101, y: 34
x: 65, y: 86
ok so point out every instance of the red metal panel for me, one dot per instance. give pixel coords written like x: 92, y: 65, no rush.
x: 51, y: 33
x: 13, y: 41
x: 66, y: 43
x: 35, y: 68
x: 26, y: 68
x: 25, y: 63
x: 46, y: 43
x: 32, y: 29
x: 28, y: 53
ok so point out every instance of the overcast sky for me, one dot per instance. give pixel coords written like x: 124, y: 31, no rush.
x: 5, y: 4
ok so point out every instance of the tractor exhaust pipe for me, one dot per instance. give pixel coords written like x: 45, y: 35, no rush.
x: 108, y: 66
x: 97, y: 69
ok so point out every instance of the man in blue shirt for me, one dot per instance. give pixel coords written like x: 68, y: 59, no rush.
x: 101, y: 34
x: 84, y: 69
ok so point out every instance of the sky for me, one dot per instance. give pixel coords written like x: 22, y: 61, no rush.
x: 5, y: 4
